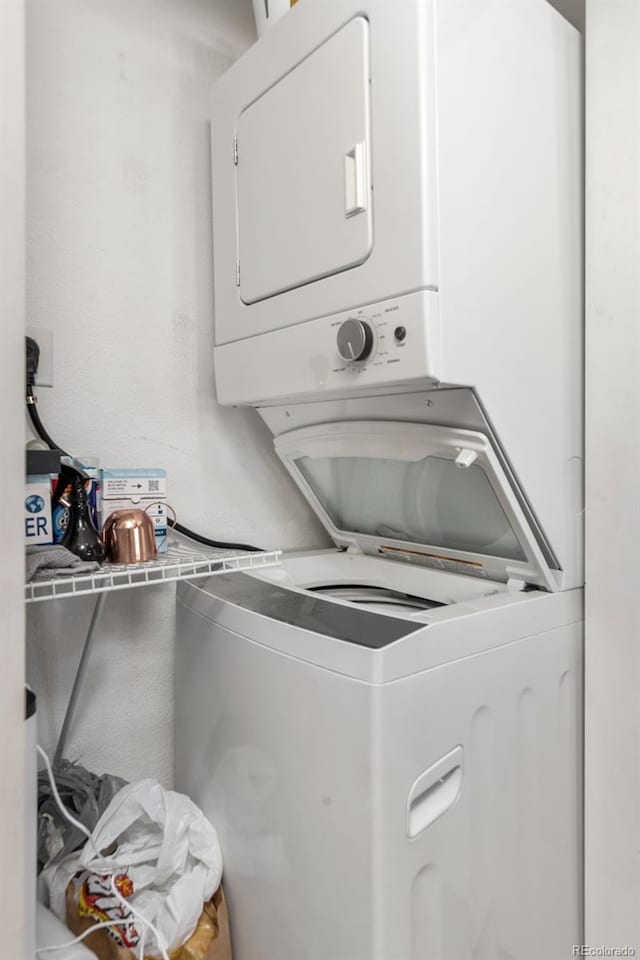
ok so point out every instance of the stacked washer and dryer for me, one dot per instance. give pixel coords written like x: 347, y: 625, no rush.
x: 388, y: 733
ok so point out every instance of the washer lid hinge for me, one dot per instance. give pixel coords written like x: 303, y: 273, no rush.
x: 516, y: 585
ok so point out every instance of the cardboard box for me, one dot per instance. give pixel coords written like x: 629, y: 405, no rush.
x: 142, y: 489
x: 38, y: 526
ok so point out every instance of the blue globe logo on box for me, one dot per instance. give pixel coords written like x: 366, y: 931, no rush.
x: 34, y: 503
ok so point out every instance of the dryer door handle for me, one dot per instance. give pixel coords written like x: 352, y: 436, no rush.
x: 434, y: 792
x: 355, y: 180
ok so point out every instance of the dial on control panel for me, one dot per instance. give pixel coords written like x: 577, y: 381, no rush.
x: 355, y: 340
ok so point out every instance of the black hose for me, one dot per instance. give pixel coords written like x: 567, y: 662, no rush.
x: 39, y: 427
x: 41, y: 432
x: 218, y: 544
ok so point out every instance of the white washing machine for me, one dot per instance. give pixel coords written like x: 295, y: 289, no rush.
x: 388, y: 734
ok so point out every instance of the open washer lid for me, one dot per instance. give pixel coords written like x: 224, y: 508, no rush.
x: 430, y: 495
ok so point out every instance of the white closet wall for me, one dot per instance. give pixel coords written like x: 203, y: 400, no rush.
x: 613, y: 474
x: 120, y: 267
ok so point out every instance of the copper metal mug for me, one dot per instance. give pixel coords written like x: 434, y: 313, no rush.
x: 129, y: 537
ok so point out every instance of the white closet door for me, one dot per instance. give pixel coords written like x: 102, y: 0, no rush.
x: 17, y: 903
x: 303, y: 174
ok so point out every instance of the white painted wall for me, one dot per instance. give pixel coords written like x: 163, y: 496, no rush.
x: 613, y: 474
x: 11, y: 477
x: 120, y: 266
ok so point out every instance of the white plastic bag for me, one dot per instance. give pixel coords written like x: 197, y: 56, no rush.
x: 167, y: 848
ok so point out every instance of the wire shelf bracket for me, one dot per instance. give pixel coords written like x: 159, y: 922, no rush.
x: 180, y: 562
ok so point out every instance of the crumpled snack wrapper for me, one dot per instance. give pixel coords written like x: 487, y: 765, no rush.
x: 211, y: 940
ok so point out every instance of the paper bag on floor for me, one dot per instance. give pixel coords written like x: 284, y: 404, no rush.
x: 211, y: 940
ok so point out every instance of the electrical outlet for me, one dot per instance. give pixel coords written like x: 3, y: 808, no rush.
x: 44, y: 339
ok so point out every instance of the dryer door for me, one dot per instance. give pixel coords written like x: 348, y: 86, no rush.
x: 303, y: 181
x: 323, y: 148
x: 429, y: 495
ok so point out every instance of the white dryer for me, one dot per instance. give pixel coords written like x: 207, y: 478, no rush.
x: 397, y: 200
x: 388, y: 734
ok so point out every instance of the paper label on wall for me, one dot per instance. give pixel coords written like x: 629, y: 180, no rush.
x: 470, y: 568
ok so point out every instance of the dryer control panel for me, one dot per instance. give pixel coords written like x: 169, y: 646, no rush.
x: 384, y: 344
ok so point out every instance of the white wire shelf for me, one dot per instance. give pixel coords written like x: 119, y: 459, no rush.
x: 178, y: 563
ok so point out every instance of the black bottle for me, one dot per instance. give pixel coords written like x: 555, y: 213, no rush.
x: 81, y: 536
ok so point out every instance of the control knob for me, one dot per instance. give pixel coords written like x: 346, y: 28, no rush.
x: 355, y: 340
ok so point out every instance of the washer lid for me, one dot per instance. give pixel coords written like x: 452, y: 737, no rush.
x: 429, y: 495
